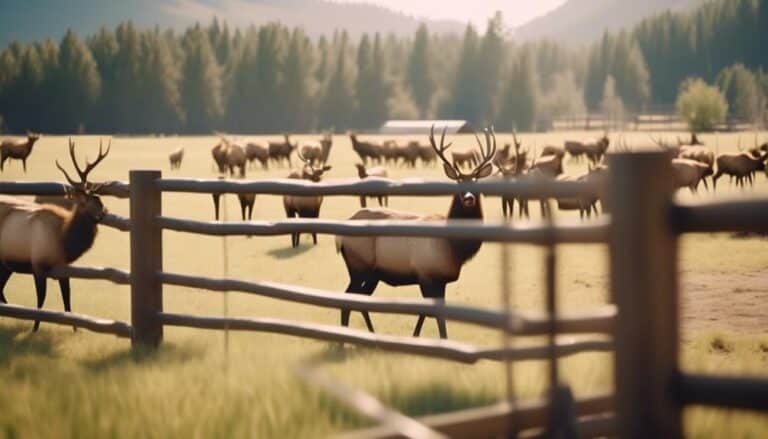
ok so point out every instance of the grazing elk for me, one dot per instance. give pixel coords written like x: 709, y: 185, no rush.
x: 257, y: 151
x: 279, y: 151
x: 378, y: 171
x: 17, y: 150
x: 246, y: 200
x: 176, y: 157
x: 738, y: 165
x: 305, y: 206
x: 219, y: 153
x: 689, y: 173
x: 430, y: 263
x: 367, y: 151
x: 34, y: 238
x: 318, y: 152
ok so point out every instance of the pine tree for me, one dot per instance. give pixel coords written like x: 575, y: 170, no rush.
x: 419, y: 74
x: 372, y: 88
x: 200, y: 84
x: 78, y: 85
x: 488, y: 70
x: 519, y: 100
x: 338, y: 103
x: 742, y: 92
x: 463, y: 100
x: 296, y: 98
x: 159, y: 109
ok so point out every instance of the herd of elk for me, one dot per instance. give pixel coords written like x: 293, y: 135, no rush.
x: 305, y: 206
x: 377, y: 171
x: 36, y: 237
x: 430, y: 263
x: 279, y: 151
x: 17, y: 150
x: 176, y: 157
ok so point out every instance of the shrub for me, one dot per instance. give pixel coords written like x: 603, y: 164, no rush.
x: 702, y: 106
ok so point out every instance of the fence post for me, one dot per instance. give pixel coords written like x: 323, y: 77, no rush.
x: 643, y: 257
x: 146, y: 259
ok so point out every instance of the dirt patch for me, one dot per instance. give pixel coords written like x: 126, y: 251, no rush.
x: 733, y: 302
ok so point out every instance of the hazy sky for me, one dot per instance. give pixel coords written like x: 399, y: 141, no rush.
x: 478, y: 11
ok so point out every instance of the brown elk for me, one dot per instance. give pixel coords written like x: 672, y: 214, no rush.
x: 246, y: 200
x: 549, y: 165
x: 430, y: 263
x: 512, y: 167
x: 367, y: 151
x: 689, y: 173
x: 586, y: 204
x: 551, y: 150
x: 377, y: 171
x: 595, y: 151
x: 738, y: 165
x: 236, y: 159
x: 34, y: 238
x: 409, y: 152
x: 574, y: 149
x: 219, y: 153
x: 426, y: 154
x: 463, y: 159
x: 257, y: 151
x: 279, y: 151
x: 305, y: 206
x: 318, y: 152
x: 176, y: 157
x: 18, y: 150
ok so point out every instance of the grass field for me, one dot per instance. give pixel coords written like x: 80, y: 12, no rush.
x: 57, y: 383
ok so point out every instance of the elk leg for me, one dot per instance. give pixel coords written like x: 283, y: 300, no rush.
x: 5, y: 274
x: 250, y: 212
x: 437, y: 292
x: 24, y: 165
x: 65, y: 296
x: 216, y: 200
x: 419, y: 323
x: 363, y: 202
x: 504, y: 207
x: 40, y: 287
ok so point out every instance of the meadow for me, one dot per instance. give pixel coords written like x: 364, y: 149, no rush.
x: 60, y: 383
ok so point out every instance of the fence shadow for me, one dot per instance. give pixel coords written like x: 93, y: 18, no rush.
x: 20, y: 340
x: 168, y: 353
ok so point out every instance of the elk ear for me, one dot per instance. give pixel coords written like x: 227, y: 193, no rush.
x: 485, y: 171
x: 450, y: 172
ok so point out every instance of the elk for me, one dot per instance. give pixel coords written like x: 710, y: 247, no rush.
x: 549, y: 165
x: 462, y: 159
x: 427, y: 154
x: 35, y: 238
x: 305, y: 206
x: 388, y: 152
x: 739, y: 165
x: 279, y: 151
x: 586, y: 204
x: 409, y: 152
x: 512, y: 168
x: 377, y: 171
x: 318, y: 152
x: 575, y: 149
x: 236, y: 158
x: 219, y: 153
x: 257, y: 151
x: 701, y: 154
x: 689, y: 173
x: 550, y: 150
x: 176, y: 157
x: 430, y: 263
x: 596, y: 151
x: 18, y: 150
x: 367, y: 151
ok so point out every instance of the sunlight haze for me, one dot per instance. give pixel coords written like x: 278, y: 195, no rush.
x: 516, y: 12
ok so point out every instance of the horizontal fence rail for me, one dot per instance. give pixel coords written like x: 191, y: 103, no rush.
x: 596, y: 321
x: 495, y: 420
x: 113, y: 275
x: 525, y: 187
x: 724, y: 391
x: 750, y: 215
x: 117, y: 189
x: 116, y: 222
x: 443, y: 349
x: 105, y: 326
x: 533, y: 233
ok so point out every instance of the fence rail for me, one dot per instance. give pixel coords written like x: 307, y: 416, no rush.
x: 642, y: 329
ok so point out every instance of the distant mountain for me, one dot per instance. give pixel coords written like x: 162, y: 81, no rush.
x: 584, y: 21
x: 30, y: 20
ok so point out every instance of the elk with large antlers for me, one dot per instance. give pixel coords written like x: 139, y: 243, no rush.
x: 11, y: 149
x: 430, y: 263
x: 34, y: 238
x: 305, y: 206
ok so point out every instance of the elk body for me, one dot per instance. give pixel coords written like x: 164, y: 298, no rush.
x: 430, y: 263
x: 367, y: 151
x: 701, y: 154
x: 219, y: 153
x: 595, y: 151
x: 257, y: 151
x: 279, y: 151
x: 318, y: 152
x: 246, y: 204
x: 17, y: 150
x: 740, y: 165
x: 549, y: 166
x: 427, y: 154
x: 34, y: 238
x: 409, y: 152
x: 586, y: 205
x: 176, y: 157
x: 575, y: 149
x: 463, y: 159
x: 689, y: 173
x: 377, y: 171
x: 305, y: 206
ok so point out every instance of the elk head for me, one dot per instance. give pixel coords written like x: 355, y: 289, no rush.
x: 483, y: 169
x: 83, y: 192
x: 32, y: 137
x: 311, y: 172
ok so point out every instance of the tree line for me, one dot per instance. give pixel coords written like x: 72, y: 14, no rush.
x: 272, y: 78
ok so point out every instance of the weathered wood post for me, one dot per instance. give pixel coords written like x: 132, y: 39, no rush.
x: 643, y: 259
x: 146, y: 259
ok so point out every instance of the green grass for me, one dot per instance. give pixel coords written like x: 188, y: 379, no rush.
x: 57, y: 383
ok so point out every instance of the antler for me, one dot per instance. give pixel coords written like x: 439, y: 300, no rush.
x: 442, y: 148
x: 83, y: 174
x: 490, y: 149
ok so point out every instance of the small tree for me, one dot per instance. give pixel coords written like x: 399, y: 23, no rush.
x: 702, y: 106
x: 611, y: 105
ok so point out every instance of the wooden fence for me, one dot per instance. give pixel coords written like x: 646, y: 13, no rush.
x: 641, y: 326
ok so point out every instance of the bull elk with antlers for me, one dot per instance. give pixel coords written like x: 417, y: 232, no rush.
x: 430, y: 263
x: 34, y: 238
x: 12, y: 149
x: 305, y: 206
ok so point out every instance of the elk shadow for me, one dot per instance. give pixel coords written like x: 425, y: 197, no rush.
x: 289, y: 252
x: 167, y: 353
x: 19, y: 340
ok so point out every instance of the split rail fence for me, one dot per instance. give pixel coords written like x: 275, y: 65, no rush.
x: 641, y: 326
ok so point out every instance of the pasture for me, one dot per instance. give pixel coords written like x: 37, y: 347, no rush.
x: 57, y: 383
